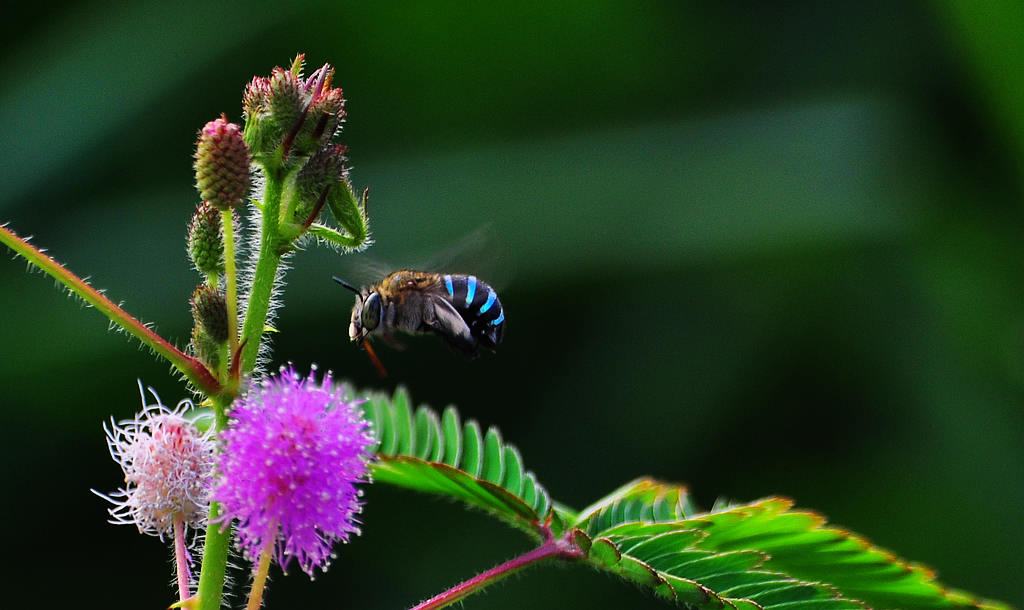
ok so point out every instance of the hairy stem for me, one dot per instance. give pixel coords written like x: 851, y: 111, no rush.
x: 265, y: 274
x: 181, y: 558
x: 562, y: 548
x: 192, y: 368
x: 218, y: 535
x: 330, y: 235
x: 230, y: 278
x: 259, y: 579
x: 215, y: 561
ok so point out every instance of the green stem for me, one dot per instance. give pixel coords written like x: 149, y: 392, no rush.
x: 215, y: 561
x: 218, y: 535
x: 192, y: 368
x: 264, y: 275
x: 231, y: 279
x: 328, y: 234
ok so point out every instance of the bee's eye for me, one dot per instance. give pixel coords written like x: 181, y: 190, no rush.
x: 371, y: 311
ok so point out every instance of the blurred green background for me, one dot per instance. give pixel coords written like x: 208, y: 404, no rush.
x: 757, y: 249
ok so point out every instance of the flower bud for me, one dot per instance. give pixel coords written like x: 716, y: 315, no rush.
x: 210, y: 312
x: 273, y: 107
x: 222, y: 164
x: 285, y: 97
x: 260, y: 134
x: 328, y: 113
x: 324, y: 113
x: 205, y: 240
x: 205, y: 348
x: 289, y: 117
x: 324, y: 171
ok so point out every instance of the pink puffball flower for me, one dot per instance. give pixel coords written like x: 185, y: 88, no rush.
x: 292, y: 456
x: 168, y: 466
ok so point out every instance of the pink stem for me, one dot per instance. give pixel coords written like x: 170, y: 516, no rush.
x: 551, y: 547
x: 181, y: 559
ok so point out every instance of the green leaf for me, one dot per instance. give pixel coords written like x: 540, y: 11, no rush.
x: 472, y: 449
x: 799, y: 544
x: 493, y: 465
x: 760, y: 555
x: 402, y: 418
x: 418, y: 450
x: 451, y: 436
x: 512, y: 478
x: 660, y: 544
x: 642, y: 500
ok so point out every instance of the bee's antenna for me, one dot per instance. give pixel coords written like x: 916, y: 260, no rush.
x: 346, y: 285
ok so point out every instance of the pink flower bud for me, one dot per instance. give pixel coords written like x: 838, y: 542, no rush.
x: 222, y: 164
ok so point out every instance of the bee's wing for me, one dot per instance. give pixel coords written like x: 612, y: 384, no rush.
x: 484, y: 252
x: 448, y: 323
x: 362, y: 270
x: 473, y: 247
x: 470, y: 248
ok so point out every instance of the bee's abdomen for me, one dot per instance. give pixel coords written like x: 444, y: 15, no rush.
x: 479, y: 306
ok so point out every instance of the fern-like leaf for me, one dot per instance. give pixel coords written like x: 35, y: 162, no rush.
x: 419, y: 450
x: 759, y: 555
x: 643, y: 501
x: 764, y: 555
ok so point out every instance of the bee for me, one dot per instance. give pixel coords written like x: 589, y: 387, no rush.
x: 461, y: 309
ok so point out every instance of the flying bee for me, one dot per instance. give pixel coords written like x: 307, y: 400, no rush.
x: 461, y: 309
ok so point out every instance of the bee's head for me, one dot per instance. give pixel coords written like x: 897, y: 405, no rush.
x: 366, y: 317
x: 366, y: 313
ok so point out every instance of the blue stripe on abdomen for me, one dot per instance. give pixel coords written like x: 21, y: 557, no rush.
x: 499, y: 319
x: 448, y: 285
x: 470, y: 289
x: 491, y: 297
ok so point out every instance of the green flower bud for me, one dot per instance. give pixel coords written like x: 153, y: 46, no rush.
x: 222, y: 164
x: 329, y: 112
x: 324, y: 171
x: 273, y: 108
x: 205, y: 348
x: 324, y: 113
x: 285, y: 97
x: 205, y: 240
x: 261, y: 135
x: 288, y: 117
x: 210, y: 312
